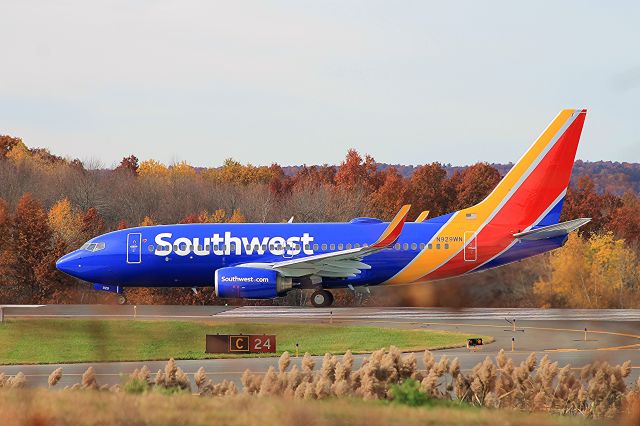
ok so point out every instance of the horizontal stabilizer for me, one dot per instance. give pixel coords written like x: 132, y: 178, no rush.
x: 556, y: 230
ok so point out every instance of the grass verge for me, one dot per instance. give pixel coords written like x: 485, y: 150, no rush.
x: 43, y: 407
x: 63, y: 341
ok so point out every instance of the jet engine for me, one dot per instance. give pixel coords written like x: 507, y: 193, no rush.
x: 250, y: 283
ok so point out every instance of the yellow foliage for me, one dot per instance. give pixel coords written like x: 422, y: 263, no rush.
x: 601, y: 272
x: 218, y: 216
x: 183, y: 169
x: 64, y: 223
x: 234, y: 172
x: 19, y: 152
x: 148, y: 221
x: 152, y: 168
x: 237, y: 217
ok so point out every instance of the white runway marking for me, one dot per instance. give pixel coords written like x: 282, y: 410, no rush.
x: 426, y: 314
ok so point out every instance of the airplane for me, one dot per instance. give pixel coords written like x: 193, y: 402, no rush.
x: 518, y: 219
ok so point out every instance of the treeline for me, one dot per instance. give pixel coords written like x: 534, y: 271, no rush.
x: 50, y: 205
x: 607, y: 176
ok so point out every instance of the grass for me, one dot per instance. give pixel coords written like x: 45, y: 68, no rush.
x: 44, y: 407
x: 57, y: 341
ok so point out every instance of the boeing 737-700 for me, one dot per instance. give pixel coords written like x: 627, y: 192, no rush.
x: 518, y: 219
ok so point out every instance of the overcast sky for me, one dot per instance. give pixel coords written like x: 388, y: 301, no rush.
x: 302, y: 81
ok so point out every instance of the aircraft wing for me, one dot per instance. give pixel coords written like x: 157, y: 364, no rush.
x: 342, y: 263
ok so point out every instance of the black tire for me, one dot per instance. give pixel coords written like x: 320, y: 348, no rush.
x: 321, y: 299
x: 122, y: 300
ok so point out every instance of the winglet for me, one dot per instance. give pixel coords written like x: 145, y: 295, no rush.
x: 423, y: 216
x: 391, y: 234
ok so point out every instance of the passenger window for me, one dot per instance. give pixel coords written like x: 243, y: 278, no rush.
x: 216, y: 247
x: 421, y: 246
x: 175, y: 247
x: 340, y: 246
x: 356, y: 245
x: 315, y: 247
x: 446, y: 246
x: 365, y: 245
x: 406, y: 246
x: 307, y: 247
x: 397, y: 246
x: 414, y: 246
x: 333, y: 246
x: 430, y: 246
x: 348, y: 246
x: 437, y: 246
x: 324, y: 247
x: 151, y: 247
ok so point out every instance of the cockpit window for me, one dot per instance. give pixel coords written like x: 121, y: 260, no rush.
x: 93, y: 246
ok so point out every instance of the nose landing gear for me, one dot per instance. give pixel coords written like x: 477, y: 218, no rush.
x: 321, y: 298
x: 122, y: 300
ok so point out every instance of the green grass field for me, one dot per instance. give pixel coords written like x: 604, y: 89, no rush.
x: 55, y: 341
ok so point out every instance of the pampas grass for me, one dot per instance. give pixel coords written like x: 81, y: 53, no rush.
x: 598, y: 390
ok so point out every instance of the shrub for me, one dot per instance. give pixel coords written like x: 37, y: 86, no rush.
x: 408, y: 393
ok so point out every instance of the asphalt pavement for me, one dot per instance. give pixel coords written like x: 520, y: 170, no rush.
x: 612, y: 335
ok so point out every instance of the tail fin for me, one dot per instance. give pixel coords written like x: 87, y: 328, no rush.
x: 529, y: 196
x: 533, y: 191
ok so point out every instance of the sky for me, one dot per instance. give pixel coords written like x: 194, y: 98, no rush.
x: 298, y: 82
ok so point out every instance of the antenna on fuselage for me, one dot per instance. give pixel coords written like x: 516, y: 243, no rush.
x: 290, y: 220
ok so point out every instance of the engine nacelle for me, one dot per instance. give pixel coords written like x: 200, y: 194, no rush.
x: 250, y: 283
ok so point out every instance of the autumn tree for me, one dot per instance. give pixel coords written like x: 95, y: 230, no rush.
x: 7, y: 143
x: 32, y: 244
x: 129, y: 164
x: 429, y: 189
x: 598, y: 272
x: 153, y: 169
x: 474, y: 183
x: 148, y: 221
x: 385, y: 202
x: 356, y: 173
x: 66, y: 224
x: 237, y: 217
x: 7, y: 257
x: 91, y: 224
x: 582, y: 200
x: 625, y: 219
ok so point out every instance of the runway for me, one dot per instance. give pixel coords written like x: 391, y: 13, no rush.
x: 612, y: 335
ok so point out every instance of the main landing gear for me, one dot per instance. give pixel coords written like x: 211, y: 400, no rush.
x: 321, y: 298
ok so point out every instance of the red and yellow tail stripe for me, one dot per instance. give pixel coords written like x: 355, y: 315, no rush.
x: 533, y: 183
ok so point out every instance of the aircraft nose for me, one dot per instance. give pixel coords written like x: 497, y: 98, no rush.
x: 70, y: 264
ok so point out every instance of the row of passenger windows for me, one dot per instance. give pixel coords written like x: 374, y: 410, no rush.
x: 316, y: 247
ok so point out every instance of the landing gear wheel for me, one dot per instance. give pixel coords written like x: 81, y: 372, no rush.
x: 321, y: 299
x: 122, y: 299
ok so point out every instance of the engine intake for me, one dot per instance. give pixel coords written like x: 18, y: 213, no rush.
x: 250, y: 283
